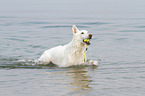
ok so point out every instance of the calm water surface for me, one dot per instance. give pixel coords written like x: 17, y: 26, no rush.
x: 28, y: 28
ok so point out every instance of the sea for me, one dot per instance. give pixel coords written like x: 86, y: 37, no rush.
x: 29, y: 27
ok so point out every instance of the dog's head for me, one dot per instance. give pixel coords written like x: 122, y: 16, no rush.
x: 82, y: 35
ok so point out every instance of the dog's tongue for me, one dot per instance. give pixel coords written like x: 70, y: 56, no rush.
x: 87, y: 41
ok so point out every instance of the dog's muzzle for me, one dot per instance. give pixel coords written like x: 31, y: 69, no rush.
x: 87, y: 41
x: 90, y: 36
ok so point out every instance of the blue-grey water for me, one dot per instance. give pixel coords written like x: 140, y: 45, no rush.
x: 29, y: 27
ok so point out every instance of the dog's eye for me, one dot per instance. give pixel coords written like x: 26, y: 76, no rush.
x: 82, y: 33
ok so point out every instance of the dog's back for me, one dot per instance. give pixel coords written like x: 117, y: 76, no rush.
x: 54, y: 55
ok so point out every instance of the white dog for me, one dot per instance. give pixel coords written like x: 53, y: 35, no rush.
x: 70, y: 54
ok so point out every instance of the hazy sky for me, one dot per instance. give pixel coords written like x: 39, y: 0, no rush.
x: 68, y: 8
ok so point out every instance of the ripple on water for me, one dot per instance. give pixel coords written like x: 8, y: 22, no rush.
x: 63, y: 26
x: 132, y: 31
x: 93, y: 23
x: 16, y: 39
x: 35, y: 23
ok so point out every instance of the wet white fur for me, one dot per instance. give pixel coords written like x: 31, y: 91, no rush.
x: 70, y: 54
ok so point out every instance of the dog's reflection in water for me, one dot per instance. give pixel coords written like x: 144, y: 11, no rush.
x: 73, y: 79
x: 79, y: 79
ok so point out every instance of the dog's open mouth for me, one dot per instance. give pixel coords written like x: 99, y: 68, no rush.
x: 87, y: 41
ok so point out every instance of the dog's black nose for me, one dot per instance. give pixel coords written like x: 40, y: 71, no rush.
x: 90, y: 36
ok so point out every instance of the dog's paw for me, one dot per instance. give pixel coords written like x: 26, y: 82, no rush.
x: 91, y: 62
x: 95, y: 63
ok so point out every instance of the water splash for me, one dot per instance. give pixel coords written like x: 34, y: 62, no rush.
x: 13, y: 63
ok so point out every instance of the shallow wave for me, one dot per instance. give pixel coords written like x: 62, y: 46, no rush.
x: 14, y: 63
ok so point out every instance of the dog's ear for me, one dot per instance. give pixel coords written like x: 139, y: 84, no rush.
x: 75, y: 29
